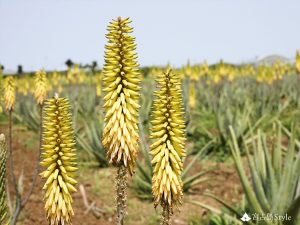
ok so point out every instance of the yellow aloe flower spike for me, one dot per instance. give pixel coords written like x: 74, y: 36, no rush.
x: 121, y: 85
x: 192, y: 95
x: 40, y: 92
x: 298, y: 62
x: 1, y: 88
x: 9, y: 94
x: 167, y: 150
x: 59, y: 159
x: 98, y: 84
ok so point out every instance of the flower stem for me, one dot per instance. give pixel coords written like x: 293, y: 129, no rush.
x: 12, y: 174
x: 37, y: 165
x: 166, y: 215
x: 121, y: 185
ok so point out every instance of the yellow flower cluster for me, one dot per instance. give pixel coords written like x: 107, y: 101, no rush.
x: 121, y: 80
x: 168, y: 135
x: 1, y: 88
x: 9, y: 94
x: 59, y: 156
x: 40, y: 93
x: 298, y: 62
x: 192, y: 95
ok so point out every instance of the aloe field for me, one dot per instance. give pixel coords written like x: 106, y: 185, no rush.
x: 197, y: 144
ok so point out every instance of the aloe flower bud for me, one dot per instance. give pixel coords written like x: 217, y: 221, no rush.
x: 40, y: 92
x: 59, y: 159
x: 3, y: 204
x: 121, y: 80
x: 9, y: 94
x: 168, y: 136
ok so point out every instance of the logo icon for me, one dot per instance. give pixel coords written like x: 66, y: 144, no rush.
x: 245, y: 218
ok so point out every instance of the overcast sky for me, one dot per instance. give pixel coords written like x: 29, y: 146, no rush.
x: 44, y: 33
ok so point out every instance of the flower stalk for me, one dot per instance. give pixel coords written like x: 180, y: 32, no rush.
x: 40, y: 95
x: 9, y: 102
x: 121, y: 85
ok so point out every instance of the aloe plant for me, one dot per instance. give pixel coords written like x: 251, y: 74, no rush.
x: 221, y: 220
x: 275, y: 175
x: 274, y: 187
x: 28, y: 114
x: 88, y: 141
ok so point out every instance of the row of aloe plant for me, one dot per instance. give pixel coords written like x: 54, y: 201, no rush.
x: 239, y: 104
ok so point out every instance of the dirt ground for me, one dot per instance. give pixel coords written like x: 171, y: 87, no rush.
x: 99, y: 186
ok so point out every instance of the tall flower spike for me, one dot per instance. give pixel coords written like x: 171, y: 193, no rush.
x: 9, y: 94
x: 40, y: 92
x: 192, y: 95
x: 59, y: 156
x: 121, y: 81
x: 1, y: 88
x: 167, y: 150
x: 298, y: 62
x: 98, y: 84
x: 3, y: 205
